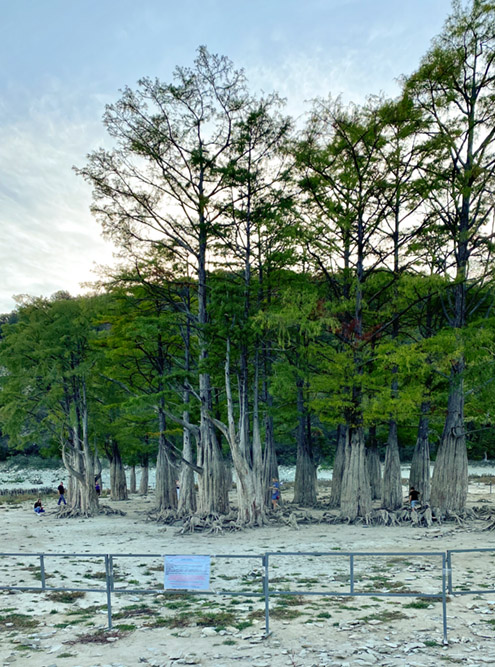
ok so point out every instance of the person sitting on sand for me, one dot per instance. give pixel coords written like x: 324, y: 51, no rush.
x: 38, y: 507
x: 275, y: 487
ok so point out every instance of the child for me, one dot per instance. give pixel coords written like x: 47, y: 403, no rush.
x: 275, y: 487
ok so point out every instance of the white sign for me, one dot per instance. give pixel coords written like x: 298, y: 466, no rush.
x: 187, y: 572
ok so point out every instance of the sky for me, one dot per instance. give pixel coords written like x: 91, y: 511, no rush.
x: 61, y: 62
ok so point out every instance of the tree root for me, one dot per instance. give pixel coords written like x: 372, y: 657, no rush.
x: 74, y: 512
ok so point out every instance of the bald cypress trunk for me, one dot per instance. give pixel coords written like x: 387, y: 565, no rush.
x: 356, y: 490
x: 187, y: 491
x: 166, y: 472
x: 132, y: 480
x: 449, y: 485
x: 144, y: 481
x: 419, y: 475
x: 305, y: 481
x: 118, y: 484
x: 392, y: 496
x: 374, y: 465
x: 338, y: 466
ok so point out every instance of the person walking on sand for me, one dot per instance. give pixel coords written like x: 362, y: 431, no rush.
x: 61, y: 494
x: 275, y: 487
x: 413, y: 497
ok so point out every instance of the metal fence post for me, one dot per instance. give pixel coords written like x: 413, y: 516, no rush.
x: 449, y: 566
x: 351, y: 571
x: 110, y: 572
x: 266, y: 594
x: 42, y: 572
x: 444, y: 599
x: 108, y: 581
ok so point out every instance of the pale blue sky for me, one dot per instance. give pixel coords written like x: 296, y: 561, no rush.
x: 63, y: 60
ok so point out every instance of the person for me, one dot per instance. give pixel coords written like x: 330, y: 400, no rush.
x: 61, y: 494
x: 413, y: 497
x: 38, y: 507
x: 177, y: 486
x: 275, y: 487
x: 97, y: 487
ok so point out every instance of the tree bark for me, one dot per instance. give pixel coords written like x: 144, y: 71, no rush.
x: 118, y: 484
x: 449, y: 484
x: 144, y: 481
x: 305, y: 482
x: 79, y: 462
x: 166, y: 473
x: 356, y: 490
x: 187, y: 490
x: 338, y: 466
x: 374, y: 466
x: 419, y: 475
x: 132, y: 480
x: 392, y: 496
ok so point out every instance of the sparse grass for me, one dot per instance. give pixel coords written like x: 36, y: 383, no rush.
x: 417, y: 604
x: 384, y: 616
x: 125, y: 627
x: 221, y: 618
x: 229, y: 642
x: 19, y: 622
x: 134, y: 610
x: 66, y: 597
x: 285, y: 613
x: 99, y: 637
x: 242, y: 625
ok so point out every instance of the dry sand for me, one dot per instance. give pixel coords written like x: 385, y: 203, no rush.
x: 313, y: 631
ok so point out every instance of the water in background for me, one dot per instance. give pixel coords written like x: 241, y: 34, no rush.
x: 27, y: 478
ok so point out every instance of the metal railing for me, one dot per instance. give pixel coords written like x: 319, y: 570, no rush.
x: 110, y: 587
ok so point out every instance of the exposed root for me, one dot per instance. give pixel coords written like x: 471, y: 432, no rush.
x: 75, y: 512
x: 106, y: 509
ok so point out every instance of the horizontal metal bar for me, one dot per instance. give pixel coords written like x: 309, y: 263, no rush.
x: 53, y: 555
x: 465, y: 551
x: 49, y: 590
x: 482, y: 592
x: 355, y: 553
x: 355, y: 594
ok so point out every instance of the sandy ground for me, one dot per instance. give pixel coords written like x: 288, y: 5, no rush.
x: 46, y: 629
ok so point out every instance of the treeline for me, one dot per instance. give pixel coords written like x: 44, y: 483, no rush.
x: 326, y: 288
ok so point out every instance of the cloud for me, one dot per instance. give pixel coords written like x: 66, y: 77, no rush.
x: 50, y: 238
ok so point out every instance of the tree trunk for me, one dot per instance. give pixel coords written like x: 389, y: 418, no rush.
x: 449, y: 484
x: 305, y: 482
x: 419, y: 475
x: 374, y: 466
x: 187, y: 490
x: 166, y: 473
x: 213, y: 496
x: 144, y: 481
x: 338, y: 466
x: 79, y: 463
x: 356, y: 491
x: 270, y: 464
x: 132, y: 480
x: 392, y: 496
x: 251, y: 508
x: 118, y: 484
